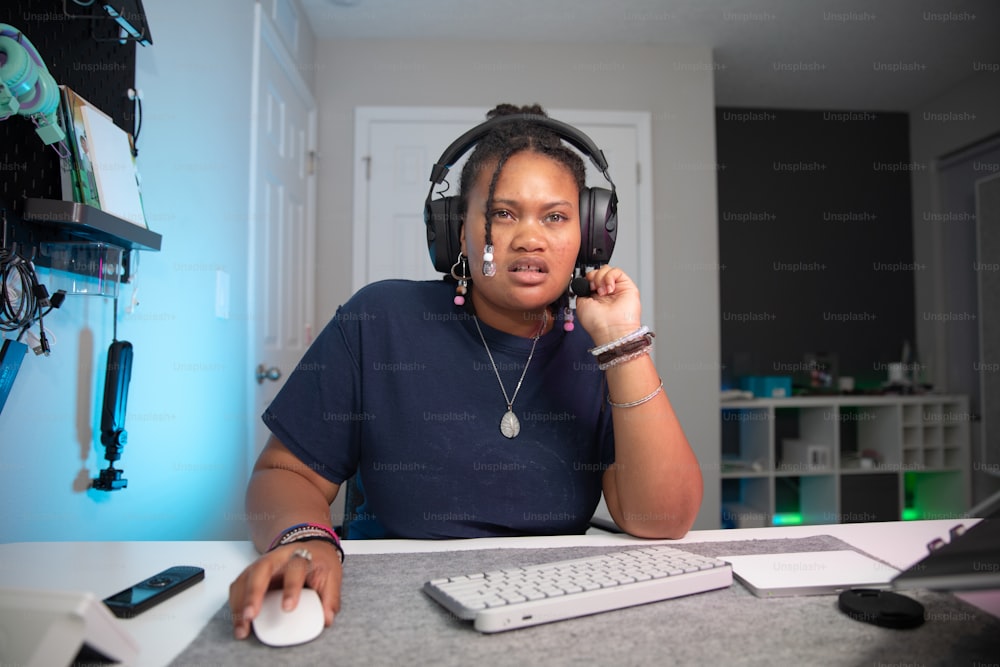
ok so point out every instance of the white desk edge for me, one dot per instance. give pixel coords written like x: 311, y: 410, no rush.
x: 162, y: 633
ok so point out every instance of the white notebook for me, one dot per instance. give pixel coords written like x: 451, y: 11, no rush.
x: 114, y: 167
x: 809, y: 573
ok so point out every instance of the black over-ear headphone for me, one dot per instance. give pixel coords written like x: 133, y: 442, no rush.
x: 598, y: 206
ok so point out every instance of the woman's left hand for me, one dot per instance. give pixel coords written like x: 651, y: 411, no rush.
x: 613, y: 308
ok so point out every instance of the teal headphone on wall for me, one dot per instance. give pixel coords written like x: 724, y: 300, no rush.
x: 26, y: 87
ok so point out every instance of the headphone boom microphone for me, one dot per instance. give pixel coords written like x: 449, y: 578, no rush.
x: 580, y: 286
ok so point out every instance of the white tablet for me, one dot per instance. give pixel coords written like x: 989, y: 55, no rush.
x: 809, y: 573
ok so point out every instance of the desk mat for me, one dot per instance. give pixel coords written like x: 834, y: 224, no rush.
x: 385, y: 619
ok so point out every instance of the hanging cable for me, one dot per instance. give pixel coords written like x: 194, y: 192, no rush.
x: 23, y: 299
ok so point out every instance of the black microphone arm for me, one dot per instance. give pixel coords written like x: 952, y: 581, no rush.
x: 113, y: 434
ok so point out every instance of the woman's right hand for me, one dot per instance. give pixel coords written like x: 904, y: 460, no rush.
x: 281, y: 568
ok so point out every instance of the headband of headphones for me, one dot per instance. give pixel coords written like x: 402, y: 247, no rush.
x: 461, y: 146
x: 598, y: 206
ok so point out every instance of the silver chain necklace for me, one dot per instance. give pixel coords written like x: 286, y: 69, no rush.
x: 509, y: 424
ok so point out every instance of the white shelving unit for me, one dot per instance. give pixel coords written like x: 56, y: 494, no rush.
x: 844, y: 459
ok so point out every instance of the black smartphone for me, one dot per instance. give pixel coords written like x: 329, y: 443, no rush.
x: 151, y: 592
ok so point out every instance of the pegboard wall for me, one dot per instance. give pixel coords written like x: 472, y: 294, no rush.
x: 81, y: 50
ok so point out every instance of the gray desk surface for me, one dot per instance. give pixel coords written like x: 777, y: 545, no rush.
x: 387, y: 620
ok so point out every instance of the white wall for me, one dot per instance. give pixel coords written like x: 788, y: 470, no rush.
x: 187, y: 427
x: 675, y: 84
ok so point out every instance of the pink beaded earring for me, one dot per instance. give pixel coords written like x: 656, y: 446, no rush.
x: 568, y: 310
x: 568, y: 319
x: 463, y: 280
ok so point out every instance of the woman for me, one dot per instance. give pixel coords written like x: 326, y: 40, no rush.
x: 480, y: 407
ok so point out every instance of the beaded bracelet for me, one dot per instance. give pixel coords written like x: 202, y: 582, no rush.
x: 319, y: 538
x: 307, y: 531
x: 622, y: 359
x: 618, y: 342
x: 626, y: 352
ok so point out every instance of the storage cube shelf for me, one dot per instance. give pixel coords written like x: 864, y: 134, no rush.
x: 843, y: 459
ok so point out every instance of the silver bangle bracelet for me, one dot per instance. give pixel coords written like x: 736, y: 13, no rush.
x: 632, y: 404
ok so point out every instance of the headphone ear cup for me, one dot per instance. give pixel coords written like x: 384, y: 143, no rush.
x: 598, y: 225
x: 443, y: 231
x: 45, y: 99
x: 18, y: 72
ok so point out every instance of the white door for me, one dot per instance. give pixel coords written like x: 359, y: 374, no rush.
x: 395, y: 149
x: 282, y: 221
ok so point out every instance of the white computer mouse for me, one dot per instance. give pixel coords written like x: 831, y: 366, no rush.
x: 276, y: 627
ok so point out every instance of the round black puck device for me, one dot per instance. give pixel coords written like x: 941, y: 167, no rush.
x: 882, y: 608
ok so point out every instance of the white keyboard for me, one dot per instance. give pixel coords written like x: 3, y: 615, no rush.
x: 517, y: 597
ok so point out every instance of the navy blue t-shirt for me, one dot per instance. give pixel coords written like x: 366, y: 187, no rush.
x: 399, y: 389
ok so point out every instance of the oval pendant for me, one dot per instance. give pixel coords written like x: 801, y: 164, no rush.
x: 509, y: 425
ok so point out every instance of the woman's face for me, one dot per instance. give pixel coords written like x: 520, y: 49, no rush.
x: 535, y: 231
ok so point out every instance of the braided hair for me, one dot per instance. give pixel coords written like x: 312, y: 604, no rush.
x: 498, y: 146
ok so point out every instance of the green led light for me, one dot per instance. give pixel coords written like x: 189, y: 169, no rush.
x: 911, y: 514
x: 787, y: 519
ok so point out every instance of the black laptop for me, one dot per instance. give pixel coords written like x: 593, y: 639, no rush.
x: 970, y: 561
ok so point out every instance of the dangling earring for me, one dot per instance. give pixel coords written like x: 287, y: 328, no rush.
x: 463, y: 280
x: 568, y: 319
x: 489, y: 267
x: 568, y: 315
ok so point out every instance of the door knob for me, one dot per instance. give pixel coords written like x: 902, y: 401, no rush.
x: 272, y: 373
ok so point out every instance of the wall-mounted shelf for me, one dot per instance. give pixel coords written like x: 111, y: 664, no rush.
x: 86, y: 222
